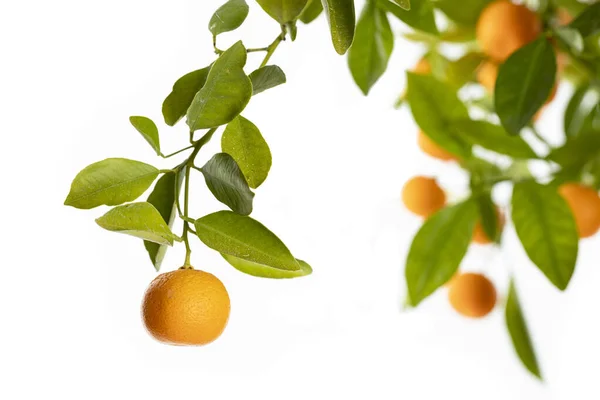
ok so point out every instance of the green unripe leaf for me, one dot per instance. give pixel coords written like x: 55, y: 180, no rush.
x: 179, y: 100
x: 147, y: 128
x: 577, y: 150
x: 264, y: 271
x: 405, y: 4
x: 488, y: 215
x: 524, y: 84
x: 313, y: 9
x: 519, y: 333
x: 436, y: 107
x: 571, y: 37
x: 465, y: 12
x: 342, y: 22
x: 243, y: 237
x: 110, y: 182
x: 463, y: 70
x: 546, y: 227
x: 283, y: 11
x: 228, y: 17
x: 420, y: 16
x: 227, y: 183
x: 243, y: 141
x: 372, y: 47
x: 225, y: 94
x: 163, y: 198
x: 494, y: 138
x: 581, y: 111
x: 141, y: 220
x: 588, y: 22
x: 438, y: 249
x: 265, y: 78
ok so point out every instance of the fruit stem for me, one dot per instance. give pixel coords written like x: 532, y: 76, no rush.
x: 189, y: 164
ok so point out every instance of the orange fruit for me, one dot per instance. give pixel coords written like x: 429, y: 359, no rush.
x: 431, y: 148
x: 479, y: 235
x: 585, y: 205
x: 487, y: 74
x: 504, y: 27
x: 472, y: 295
x: 186, y: 307
x: 423, y: 196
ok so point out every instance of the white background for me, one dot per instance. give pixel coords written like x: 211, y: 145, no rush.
x: 72, y: 73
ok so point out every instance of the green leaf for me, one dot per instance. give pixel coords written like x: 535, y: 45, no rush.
x: 292, y: 29
x: 579, y: 114
x: 454, y: 34
x: 571, y: 37
x: 242, y: 140
x: 462, y: 71
x: 227, y: 183
x: 342, y: 21
x: 264, y: 271
x: 265, y: 78
x: 524, y: 84
x: 225, y: 94
x: 179, y: 100
x: 465, y: 12
x: 547, y: 230
x: 405, y: 4
x: 313, y: 9
x: 163, y: 199
x: 140, y: 220
x: 494, y: 138
x: 373, y: 44
x: 110, y: 182
x: 588, y: 22
x: 483, y: 170
x: 283, y: 11
x: 245, y: 238
x: 577, y: 150
x: 438, y: 248
x: 519, y: 334
x: 435, y: 107
x: 149, y: 131
x: 420, y: 16
x: 228, y: 17
x: 488, y: 215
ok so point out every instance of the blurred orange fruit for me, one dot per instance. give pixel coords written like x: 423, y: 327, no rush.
x: 472, y: 295
x: 585, y: 205
x: 504, y: 27
x: 423, y: 196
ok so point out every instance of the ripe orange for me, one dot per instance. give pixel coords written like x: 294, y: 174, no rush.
x: 423, y: 196
x: 585, y: 205
x: 186, y: 307
x: 472, y: 295
x: 479, y: 235
x: 504, y: 27
x: 431, y: 148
